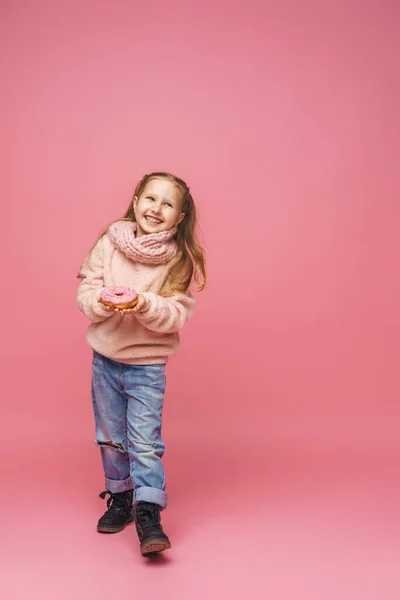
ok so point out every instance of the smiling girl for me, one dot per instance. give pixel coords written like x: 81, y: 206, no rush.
x: 155, y: 251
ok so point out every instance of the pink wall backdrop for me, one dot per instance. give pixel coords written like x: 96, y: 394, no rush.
x: 282, y: 410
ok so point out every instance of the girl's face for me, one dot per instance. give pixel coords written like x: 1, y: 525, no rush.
x: 158, y: 207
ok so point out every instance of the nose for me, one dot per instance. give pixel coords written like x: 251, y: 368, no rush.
x: 156, y: 208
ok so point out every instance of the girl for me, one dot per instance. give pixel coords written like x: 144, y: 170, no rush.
x: 155, y: 251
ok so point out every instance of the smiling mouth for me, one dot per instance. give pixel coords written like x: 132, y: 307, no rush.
x: 153, y: 220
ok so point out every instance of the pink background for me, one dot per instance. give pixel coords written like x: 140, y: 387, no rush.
x: 282, y: 410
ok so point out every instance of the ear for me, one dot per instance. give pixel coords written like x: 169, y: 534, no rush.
x: 135, y: 201
x: 180, y: 218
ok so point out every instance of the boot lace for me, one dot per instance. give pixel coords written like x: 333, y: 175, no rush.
x: 114, y: 502
x: 148, y: 514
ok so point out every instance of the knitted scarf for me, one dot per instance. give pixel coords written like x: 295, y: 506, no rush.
x: 151, y: 249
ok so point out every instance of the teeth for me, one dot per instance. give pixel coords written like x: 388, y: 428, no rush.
x: 152, y: 220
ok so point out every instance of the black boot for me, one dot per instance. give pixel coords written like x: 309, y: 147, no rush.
x: 149, y: 529
x: 118, y: 513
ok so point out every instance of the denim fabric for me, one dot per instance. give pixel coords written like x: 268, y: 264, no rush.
x: 127, y: 403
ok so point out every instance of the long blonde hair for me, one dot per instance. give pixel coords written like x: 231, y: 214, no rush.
x: 189, y: 262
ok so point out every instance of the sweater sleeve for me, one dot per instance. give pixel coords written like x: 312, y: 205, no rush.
x: 166, y: 315
x: 91, y: 286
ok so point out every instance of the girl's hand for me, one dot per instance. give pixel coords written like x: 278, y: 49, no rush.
x: 139, y: 306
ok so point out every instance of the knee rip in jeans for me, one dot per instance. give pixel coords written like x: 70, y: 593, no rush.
x: 114, y: 445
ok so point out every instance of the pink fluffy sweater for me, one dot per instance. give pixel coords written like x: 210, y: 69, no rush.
x: 148, y: 337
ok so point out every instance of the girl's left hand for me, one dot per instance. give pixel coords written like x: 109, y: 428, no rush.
x: 139, y: 306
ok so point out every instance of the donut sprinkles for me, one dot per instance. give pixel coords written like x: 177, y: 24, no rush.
x: 119, y: 297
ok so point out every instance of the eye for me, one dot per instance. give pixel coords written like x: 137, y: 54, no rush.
x: 168, y: 204
x: 149, y: 198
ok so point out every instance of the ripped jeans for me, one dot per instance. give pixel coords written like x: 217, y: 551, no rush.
x: 127, y: 403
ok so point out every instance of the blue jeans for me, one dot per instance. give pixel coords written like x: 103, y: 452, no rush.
x: 127, y: 403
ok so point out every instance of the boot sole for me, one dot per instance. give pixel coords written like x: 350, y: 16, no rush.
x: 101, y: 529
x: 152, y: 546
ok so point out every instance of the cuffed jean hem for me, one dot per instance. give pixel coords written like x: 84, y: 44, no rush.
x: 149, y: 494
x: 115, y: 486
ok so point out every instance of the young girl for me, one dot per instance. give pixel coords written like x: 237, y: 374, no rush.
x: 155, y: 251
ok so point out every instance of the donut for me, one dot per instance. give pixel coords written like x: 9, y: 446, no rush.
x: 119, y: 297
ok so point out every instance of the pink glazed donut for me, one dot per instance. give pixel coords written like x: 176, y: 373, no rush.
x: 119, y: 297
